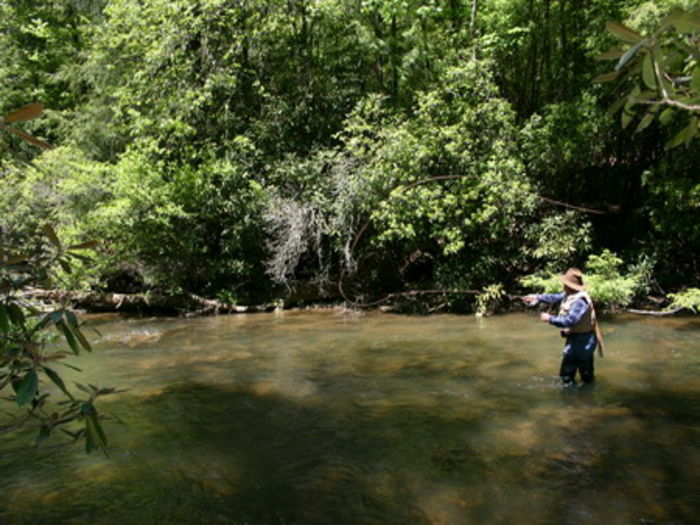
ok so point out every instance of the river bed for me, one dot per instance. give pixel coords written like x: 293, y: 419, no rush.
x: 347, y: 417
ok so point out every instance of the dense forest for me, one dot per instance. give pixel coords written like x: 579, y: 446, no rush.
x: 302, y: 150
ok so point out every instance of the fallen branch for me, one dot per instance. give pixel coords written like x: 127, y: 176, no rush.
x: 395, y: 295
x: 654, y: 312
x: 181, y: 304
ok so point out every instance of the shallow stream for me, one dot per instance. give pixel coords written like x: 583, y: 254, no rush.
x: 340, y: 417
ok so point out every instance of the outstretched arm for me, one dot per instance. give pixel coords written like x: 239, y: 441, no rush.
x: 549, y: 298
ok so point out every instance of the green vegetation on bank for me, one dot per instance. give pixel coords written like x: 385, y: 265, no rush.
x: 263, y: 149
x: 29, y: 351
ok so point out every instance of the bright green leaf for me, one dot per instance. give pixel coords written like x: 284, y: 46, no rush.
x: 82, y: 387
x: 684, y: 22
x: 617, y: 105
x: 678, y: 139
x: 666, y: 116
x: 691, y: 130
x: 646, y: 120
x: 94, y: 435
x: 626, y: 118
x: 48, y: 319
x: 632, y: 98
x: 81, y: 339
x: 695, y: 79
x: 648, y: 74
x: 612, y: 54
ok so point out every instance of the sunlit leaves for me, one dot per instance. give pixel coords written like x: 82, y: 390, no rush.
x: 648, y: 74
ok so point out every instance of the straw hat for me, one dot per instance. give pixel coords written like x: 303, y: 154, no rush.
x: 573, y: 278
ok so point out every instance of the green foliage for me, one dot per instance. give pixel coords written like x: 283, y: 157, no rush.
x: 688, y: 299
x: 177, y: 224
x: 233, y: 147
x: 192, y: 227
x: 567, y: 136
x: 546, y: 48
x: 30, y: 261
x: 26, y: 357
x: 557, y: 240
x: 489, y: 298
x: 448, y: 182
x: 664, y: 70
x: 604, y: 280
x: 674, y: 198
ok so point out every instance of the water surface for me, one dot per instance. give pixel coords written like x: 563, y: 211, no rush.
x: 322, y: 417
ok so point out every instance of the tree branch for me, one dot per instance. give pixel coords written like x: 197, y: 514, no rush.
x: 654, y: 312
x: 667, y: 102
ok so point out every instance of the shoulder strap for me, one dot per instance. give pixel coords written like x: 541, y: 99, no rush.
x: 596, y: 326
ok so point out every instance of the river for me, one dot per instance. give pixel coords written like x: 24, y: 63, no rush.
x: 345, y: 417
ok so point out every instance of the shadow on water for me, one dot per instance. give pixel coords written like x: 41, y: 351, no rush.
x: 286, y: 462
x: 634, y: 460
x: 239, y: 457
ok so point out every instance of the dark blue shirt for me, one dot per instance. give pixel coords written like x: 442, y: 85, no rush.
x: 578, y: 309
x: 578, y: 345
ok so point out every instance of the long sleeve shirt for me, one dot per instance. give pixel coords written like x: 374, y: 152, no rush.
x: 573, y: 317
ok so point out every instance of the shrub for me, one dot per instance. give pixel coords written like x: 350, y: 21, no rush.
x: 688, y: 299
x: 604, y: 279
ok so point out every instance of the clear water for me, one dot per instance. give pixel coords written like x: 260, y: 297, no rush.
x: 332, y: 417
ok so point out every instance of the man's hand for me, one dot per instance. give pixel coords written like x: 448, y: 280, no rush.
x: 544, y: 317
x: 530, y: 300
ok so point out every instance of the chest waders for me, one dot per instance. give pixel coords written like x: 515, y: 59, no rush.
x: 589, y: 322
x: 581, y: 341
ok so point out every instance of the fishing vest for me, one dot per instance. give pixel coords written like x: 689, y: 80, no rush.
x: 587, y: 322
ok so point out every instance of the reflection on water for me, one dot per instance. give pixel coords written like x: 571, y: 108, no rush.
x: 324, y: 417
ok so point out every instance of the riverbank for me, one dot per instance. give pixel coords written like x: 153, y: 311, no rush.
x: 191, y: 305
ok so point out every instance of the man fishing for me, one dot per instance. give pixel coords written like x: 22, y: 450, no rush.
x: 579, y: 326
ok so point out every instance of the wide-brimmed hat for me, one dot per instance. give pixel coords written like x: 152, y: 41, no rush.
x: 573, y: 278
